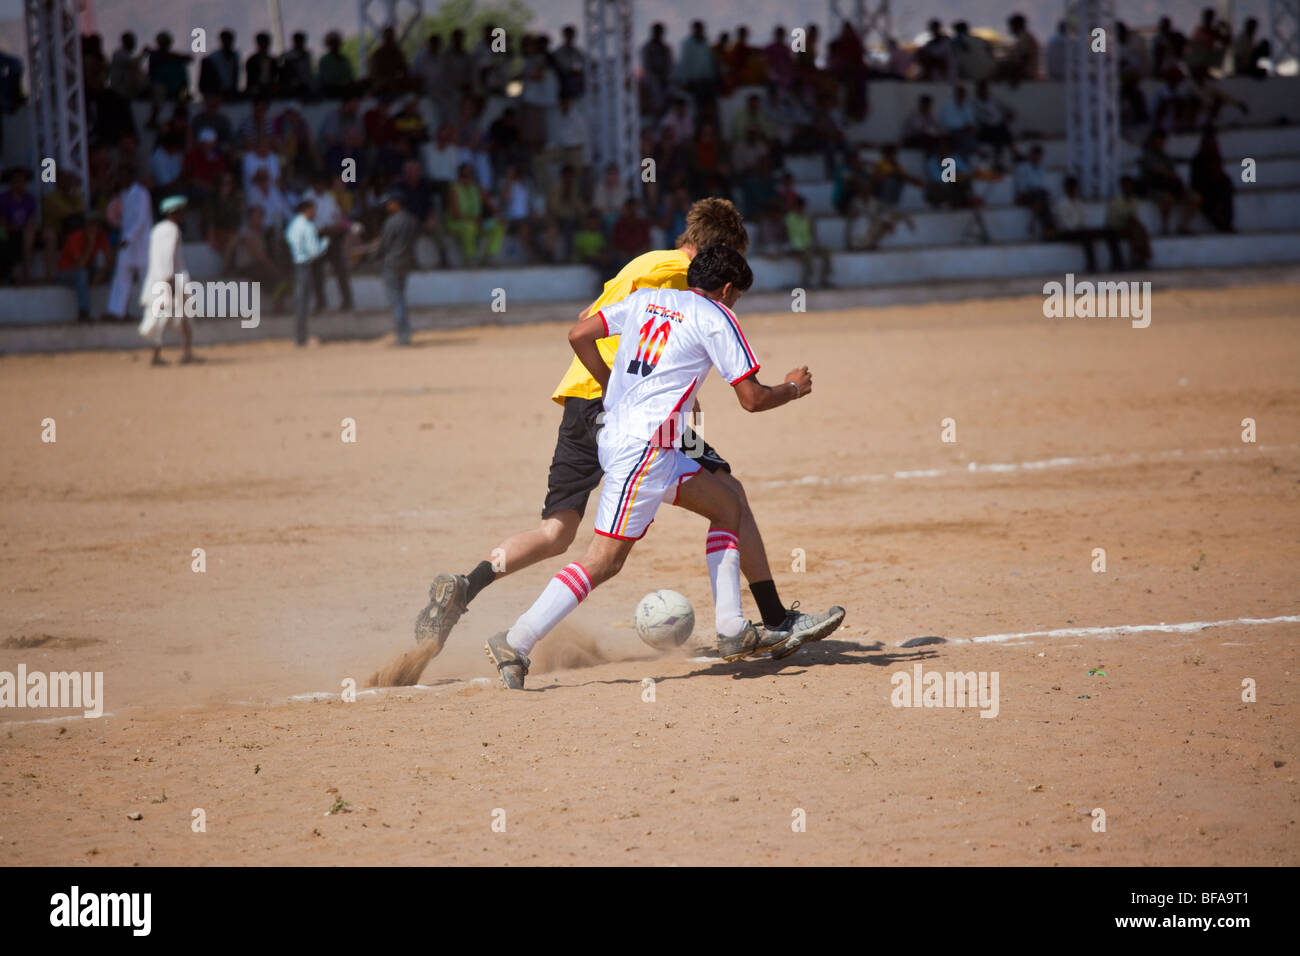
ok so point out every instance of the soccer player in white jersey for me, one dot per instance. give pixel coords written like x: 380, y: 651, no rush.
x: 670, y: 340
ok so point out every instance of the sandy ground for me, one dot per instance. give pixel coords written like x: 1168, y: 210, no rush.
x: 318, y: 554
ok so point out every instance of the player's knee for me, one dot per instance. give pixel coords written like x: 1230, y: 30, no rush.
x: 558, y: 534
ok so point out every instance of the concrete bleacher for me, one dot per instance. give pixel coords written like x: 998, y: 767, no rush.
x: 942, y: 245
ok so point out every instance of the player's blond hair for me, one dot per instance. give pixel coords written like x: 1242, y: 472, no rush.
x: 714, y: 222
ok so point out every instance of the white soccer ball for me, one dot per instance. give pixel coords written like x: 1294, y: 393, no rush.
x: 664, y: 619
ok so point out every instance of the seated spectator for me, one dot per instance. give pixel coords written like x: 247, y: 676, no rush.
x: 1209, y: 42
x: 1211, y: 97
x: 471, y: 220
x: 1175, y: 105
x: 167, y: 167
x: 1031, y: 191
x: 203, y: 169
x: 1211, y: 182
x: 569, y: 137
x: 1071, y: 217
x: 921, y: 129
x: 262, y: 193
x: 60, y: 206
x: 262, y: 71
x: 950, y: 181
x: 1020, y: 61
x: 516, y: 205
x: 589, y: 246
x: 334, y: 76
x: 709, y: 172
x: 337, y: 122
x: 260, y: 158
x: 851, y: 192
x: 256, y: 125
x: 169, y: 75
x: 212, y: 117
x: 85, y: 259
x: 566, y: 205
x: 1158, y: 180
x: 802, y: 238
x: 750, y: 159
x: 417, y: 194
x: 630, y: 235
x: 609, y: 195
x: 1132, y: 71
x: 992, y: 123
x: 1122, y: 217
x: 297, y: 151
x: 752, y: 117
x: 957, y: 119
x: 885, y: 190
x: 1249, y: 50
x: 224, y: 213
x: 250, y: 255
x: 440, y: 160
x: 678, y: 118
x: 974, y: 54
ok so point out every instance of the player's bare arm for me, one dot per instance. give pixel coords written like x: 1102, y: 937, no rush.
x: 582, y: 339
x: 757, y: 397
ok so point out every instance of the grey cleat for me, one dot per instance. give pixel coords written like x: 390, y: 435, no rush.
x: 807, y: 628
x: 511, y: 665
x: 754, y: 639
x: 447, y: 602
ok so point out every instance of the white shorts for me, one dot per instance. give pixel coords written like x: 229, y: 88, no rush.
x: 638, y: 478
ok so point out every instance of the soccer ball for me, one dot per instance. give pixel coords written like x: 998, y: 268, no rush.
x: 664, y: 619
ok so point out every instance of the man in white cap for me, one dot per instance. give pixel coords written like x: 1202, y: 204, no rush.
x: 163, y: 296
x: 133, y: 250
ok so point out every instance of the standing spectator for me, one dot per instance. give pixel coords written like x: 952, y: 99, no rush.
x: 334, y: 75
x: 1175, y: 104
x: 1054, y: 53
x: 291, y: 132
x: 957, y: 120
x: 656, y: 72
x: 800, y: 235
x: 18, y: 225
x: 427, y: 67
x: 219, y: 70
x: 1122, y: 217
x: 305, y: 246
x: 262, y: 71
x: 334, y: 226
x: 297, y: 78
x: 126, y: 76
x: 1166, y: 47
x: 571, y: 65
x: 921, y: 129
x: 697, y: 71
x: 1159, y: 181
x: 746, y: 63
x: 1212, y: 183
x: 846, y: 64
x: 133, y: 247
x: 204, y: 168
x: 169, y: 75
x: 992, y: 122
x: 1249, y: 50
x: 396, y: 246
x: 780, y: 60
x: 387, y: 69
x: 1021, y: 59
x: 1070, y: 215
x: 84, y: 259
x: 61, y: 205
x: 936, y: 57
x: 163, y: 294
x: 1132, y: 70
x: 167, y: 165
x: 250, y: 256
x: 1209, y: 42
x: 1031, y: 191
x: 974, y: 54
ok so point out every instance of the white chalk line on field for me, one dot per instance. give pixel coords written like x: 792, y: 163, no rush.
x: 54, y: 720
x: 1105, y: 632
x: 1045, y: 464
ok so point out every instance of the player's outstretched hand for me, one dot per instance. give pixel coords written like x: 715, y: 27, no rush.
x: 802, y: 378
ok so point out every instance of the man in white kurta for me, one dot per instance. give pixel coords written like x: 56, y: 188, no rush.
x: 133, y: 251
x: 163, y: 295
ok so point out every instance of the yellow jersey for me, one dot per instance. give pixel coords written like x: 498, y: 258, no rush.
x: 662, y: 269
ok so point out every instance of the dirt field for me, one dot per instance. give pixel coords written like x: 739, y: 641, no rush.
x: 319, y: 553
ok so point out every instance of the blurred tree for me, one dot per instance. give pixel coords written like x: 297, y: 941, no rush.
x: 469, y: 15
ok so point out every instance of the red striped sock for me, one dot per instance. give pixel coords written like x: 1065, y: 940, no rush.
x: 565, y: 592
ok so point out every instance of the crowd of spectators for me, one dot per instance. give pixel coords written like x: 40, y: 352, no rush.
x: 486, y: 143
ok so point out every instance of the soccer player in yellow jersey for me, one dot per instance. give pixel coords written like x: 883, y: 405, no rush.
x: 575, y: 467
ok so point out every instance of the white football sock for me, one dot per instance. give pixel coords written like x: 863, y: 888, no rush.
x: 722, y: 551
x: 565, y: 592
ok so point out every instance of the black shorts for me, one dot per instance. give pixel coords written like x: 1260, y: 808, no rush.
x: 575, y: 467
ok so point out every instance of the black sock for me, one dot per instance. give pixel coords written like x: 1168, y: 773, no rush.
x: 482, y: 575
x: 769, y: 604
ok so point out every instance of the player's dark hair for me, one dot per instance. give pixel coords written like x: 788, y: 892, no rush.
x: 715, y: 266
x: 714, y: 222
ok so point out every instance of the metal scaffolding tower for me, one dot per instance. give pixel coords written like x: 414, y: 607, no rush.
x: 58, y: 101
x: 1284, y: 30
x: 375, y: 15
x: 1092, y: 97
x: 612, y: 101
